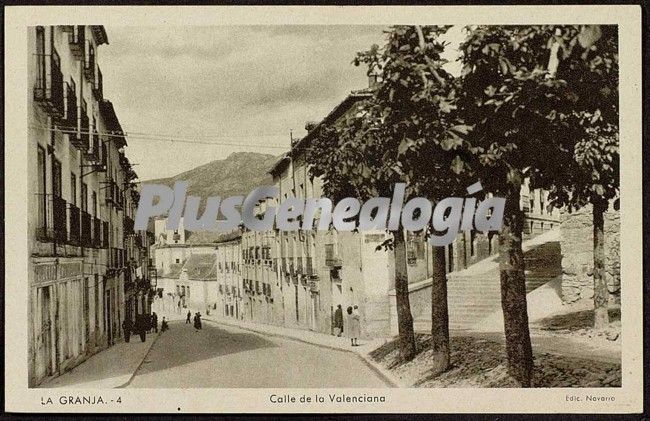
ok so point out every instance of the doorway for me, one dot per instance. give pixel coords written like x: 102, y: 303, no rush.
x: 313, y: 322
x: 107, y: 316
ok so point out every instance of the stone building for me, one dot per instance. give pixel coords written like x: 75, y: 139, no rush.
x: 78, y: 175
x: 577, y: 247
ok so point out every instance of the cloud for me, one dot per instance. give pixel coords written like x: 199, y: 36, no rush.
x: 252, y: 82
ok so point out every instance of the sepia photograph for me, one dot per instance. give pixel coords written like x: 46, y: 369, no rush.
x: 322, y: 213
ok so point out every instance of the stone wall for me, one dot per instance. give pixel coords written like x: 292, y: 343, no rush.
x: 577, y: 254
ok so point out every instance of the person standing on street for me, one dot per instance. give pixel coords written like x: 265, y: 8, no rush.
x: 163, y: 325
x: 142, y: 325
x: 189, y: 316
x: 154, y: 321
x: 353, y: 326
x: 356, y: 325
x: 197, y: 321
x: 127, y: 326
x: 338, y: 320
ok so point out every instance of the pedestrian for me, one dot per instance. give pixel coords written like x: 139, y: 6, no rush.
x: 127, y: 326
x: 179, y: 307
x: 197, y: 321
x: 154, y: 321
x: 141, y: 326
x: 355, y: 326
x: 163, y: 325
x: 338, y: 321
x: 189, y: 316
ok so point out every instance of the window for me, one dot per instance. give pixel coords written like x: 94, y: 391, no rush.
x: 97, y: 292
x: 73, y: 189
x: 42, y: 198
x: 40, y: 57
x: 56, y: 178
x: 84, y: 197
x: 95, y: 205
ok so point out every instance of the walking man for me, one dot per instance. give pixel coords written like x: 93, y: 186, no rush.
x: 127, y: 326
x: 338, y: 320
x: 189, y: 317
x: 142, y: 325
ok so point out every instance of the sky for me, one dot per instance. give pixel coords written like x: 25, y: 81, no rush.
x: 243, y: 86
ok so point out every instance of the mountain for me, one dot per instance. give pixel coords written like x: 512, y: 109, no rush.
x: 238, y: 174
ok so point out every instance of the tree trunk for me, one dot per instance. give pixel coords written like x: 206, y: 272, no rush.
x: 439, y: 313
x: 601, y: 293
x: 513, y: 293
x: 407, y: 348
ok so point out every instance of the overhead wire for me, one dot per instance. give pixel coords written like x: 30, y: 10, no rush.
x: 172, y: 138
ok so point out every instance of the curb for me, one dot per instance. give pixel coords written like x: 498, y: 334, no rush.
x: 386, y: 376
x: 140, y: 364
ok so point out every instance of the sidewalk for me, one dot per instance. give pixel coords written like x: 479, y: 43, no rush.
x: 108, y: 369
x: 319, y: 339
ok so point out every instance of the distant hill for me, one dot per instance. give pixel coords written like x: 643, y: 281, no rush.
x: 238, y: 174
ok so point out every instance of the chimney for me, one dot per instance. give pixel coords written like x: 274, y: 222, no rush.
x: 373, y: 77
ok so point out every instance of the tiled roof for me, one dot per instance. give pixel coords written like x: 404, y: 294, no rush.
x: 174, y: 270
x: 201, y: 266
x: 209, y: 237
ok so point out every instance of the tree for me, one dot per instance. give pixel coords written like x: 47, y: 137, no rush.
x: 500, y: 80
x: 408, y: 131
x: 520, y: 114
x: 587, y: 63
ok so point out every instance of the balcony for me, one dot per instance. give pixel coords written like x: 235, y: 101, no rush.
x: 113, y: 195
x: 92, y: 151
x: 98, y: 86
x: 97, y: 233
x: 89, y: 64
x: 77, y: 41
x: 74, y: 219
x: 86, y: 230
x: 48, y: 90
x: 70, y: 112
x: 116, y: 258
x: 53, y: 225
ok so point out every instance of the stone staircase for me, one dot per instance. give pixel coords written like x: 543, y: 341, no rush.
x: 474, y: 294
x: 474, y: 297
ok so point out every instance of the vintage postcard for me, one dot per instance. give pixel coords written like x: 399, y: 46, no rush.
x: 323, y: 209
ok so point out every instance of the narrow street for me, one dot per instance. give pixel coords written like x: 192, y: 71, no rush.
x: 226, y: 357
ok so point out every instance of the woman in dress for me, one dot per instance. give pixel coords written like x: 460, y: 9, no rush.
x: 354, y: 327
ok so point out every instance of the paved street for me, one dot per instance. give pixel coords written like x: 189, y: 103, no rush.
x: 226, y: 357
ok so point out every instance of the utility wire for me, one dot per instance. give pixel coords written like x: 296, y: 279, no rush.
x: 168, y: 138
x: 162, y: 138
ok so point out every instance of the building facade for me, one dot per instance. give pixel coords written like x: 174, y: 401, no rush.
x: 76, y: 202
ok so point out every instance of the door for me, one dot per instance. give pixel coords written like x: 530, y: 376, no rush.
x: 107, y: 313
x: 314, y: 312
x: 45, y: 353
x: 297, y: 305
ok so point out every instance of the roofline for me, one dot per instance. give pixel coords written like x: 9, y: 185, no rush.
x: 336, y: 112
